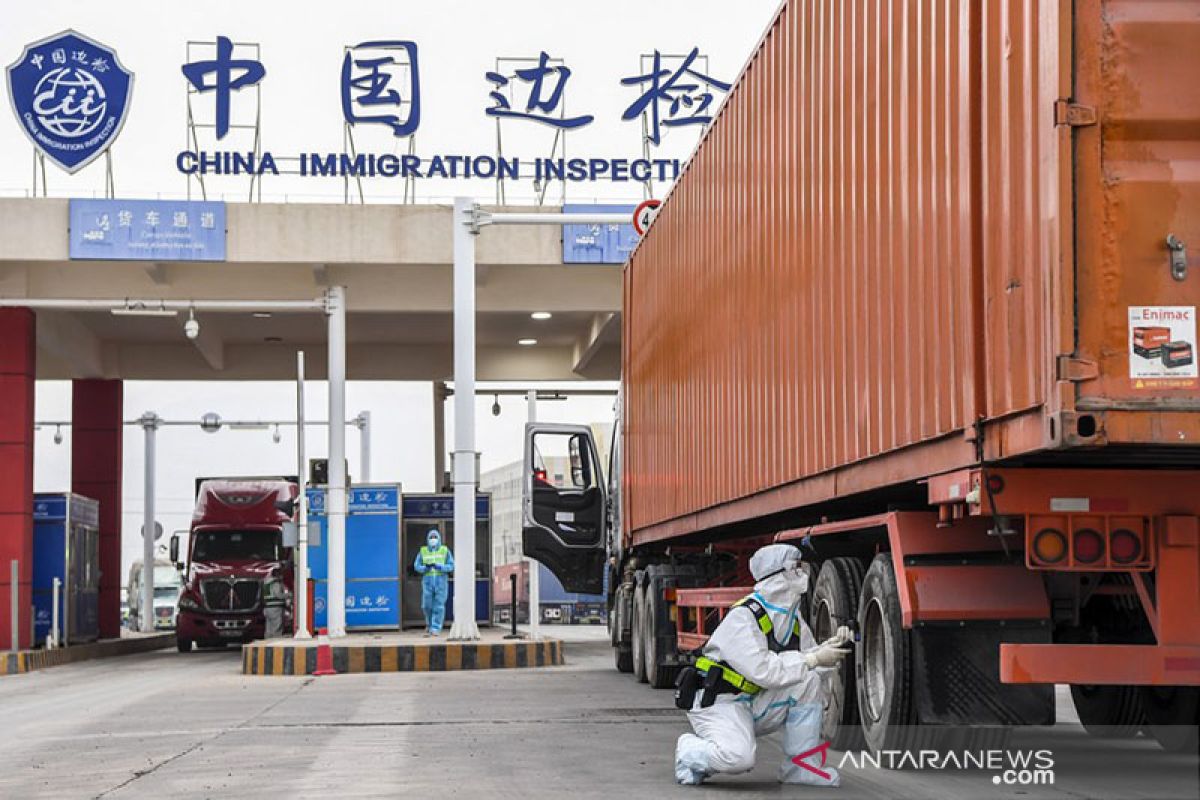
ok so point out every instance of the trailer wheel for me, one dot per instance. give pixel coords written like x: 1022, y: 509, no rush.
x: 1109, y: 712
x: 659, y: 675
x: 618, y: 615
x: 883, y: 667
x: 183, y: 645
x: 806, y: 600
x: 1172, y: 716
x: 637, y: 641
x: 623, y: 658
x: 834, y: 602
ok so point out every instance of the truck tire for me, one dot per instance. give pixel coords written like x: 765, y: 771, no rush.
x: 1109, y: 712
x: 658, y: 674
x: 806, y: 600
x: 623, y: 658
x: 617, y: 617
x: 637, y: 642
x: 183, y: 645
x: 1172, y: 716
x: 834, y: 602
x: 883, y: 668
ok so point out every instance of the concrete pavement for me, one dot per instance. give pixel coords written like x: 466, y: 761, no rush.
x: 190, y: 725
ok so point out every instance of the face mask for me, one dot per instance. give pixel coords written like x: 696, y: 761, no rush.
x: 797, y: 580
x: 434, y: 541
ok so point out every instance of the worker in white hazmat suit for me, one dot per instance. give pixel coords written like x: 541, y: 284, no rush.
x: 760, y: 671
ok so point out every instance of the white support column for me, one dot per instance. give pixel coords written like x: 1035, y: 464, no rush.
x: 14, y: 604
x: 335, y: 500
x: 150, y: 422
x: 363, y: 421
x: 300, y: 581
x: 439, y: 435
x: 52, y: 640
x: 535, y: 567
x: 463, y: 464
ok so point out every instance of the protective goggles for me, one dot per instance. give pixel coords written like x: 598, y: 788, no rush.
x: 793, y: 569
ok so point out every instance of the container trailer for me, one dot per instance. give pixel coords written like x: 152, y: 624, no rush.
x: 898, y: 309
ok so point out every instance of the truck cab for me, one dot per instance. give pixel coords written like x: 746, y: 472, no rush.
x: 235, y: 542
x: 566, y: 517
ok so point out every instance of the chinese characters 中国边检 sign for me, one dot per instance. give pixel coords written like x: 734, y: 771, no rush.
x: 147, y: 230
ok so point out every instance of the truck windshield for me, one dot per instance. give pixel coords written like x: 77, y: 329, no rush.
x: 166, y: 576
x: 246, y: 545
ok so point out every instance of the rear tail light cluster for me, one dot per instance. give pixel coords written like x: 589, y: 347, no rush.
x: 1088, y: 542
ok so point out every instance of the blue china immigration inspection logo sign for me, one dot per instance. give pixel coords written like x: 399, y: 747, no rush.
x: 71, y: 96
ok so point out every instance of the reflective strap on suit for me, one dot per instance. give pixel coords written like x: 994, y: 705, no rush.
x: 736, y: 679
x: 272, y: 596
x: 767, y: 627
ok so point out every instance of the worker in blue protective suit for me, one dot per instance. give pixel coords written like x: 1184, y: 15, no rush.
x: 761, y: 670
x: 434, y: 562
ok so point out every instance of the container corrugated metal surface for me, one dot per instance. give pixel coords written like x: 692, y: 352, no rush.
x: 874, y: 246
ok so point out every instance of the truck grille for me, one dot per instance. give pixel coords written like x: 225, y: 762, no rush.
x: 231, y: 594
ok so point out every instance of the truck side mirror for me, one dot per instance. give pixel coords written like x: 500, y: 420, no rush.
x: 175, y: 548
x: 291, y: 534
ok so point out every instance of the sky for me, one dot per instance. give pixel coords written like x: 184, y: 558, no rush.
x: 302, y: 44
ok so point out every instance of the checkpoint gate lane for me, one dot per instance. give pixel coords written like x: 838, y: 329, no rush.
x: 124, y: 728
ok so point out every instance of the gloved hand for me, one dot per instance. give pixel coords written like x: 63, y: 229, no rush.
x: 842, y: 636
x: 825, y: 656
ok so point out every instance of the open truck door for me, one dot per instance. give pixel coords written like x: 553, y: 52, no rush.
x: 564, y: 502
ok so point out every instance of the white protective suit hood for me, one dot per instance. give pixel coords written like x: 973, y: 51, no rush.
x: 738, y: 640
x: 778, y: 586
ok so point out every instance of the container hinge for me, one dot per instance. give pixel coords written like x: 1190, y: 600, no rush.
x: 1073, y: 114
x: 1077, y: 369
x: 1179, y: 261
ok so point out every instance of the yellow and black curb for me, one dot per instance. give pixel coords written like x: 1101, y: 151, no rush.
x: 265, y: 658
x: 30, y: 660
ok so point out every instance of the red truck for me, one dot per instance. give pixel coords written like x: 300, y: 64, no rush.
x: 984, y: 193
x: 235, y: 540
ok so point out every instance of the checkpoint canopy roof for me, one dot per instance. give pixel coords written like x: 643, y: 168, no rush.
x: 394, y: 260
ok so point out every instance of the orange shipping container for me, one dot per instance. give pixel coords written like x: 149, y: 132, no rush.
x: 917, y: 235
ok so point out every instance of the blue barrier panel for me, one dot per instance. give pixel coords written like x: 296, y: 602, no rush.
x: 372, y: 557
x: 66, y: 545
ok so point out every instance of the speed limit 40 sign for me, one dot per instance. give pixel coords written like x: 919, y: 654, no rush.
x: 643, y: 215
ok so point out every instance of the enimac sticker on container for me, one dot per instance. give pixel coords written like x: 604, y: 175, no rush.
x: 1162, y: 347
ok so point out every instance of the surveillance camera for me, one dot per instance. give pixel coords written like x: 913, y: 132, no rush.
x: 496, y: 407
x: 275, y: 437
x: 58, y: 435
x: 191, y: 329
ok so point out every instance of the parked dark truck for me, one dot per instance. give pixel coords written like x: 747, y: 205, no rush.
x: 988, y: 208
x: 236, y: 539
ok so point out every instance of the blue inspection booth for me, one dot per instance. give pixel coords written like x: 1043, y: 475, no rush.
x: 384, y: 531
x: 66, y: 545
x: 373, y: 566
x: 425, y: 511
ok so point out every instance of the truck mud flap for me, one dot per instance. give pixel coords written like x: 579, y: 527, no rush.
x: 956, y: 675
